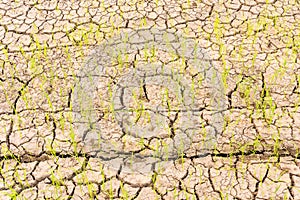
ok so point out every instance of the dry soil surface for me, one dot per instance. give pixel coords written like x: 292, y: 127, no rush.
x: 225, y: 116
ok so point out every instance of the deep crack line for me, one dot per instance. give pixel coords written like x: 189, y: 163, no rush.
x: 127, y: 119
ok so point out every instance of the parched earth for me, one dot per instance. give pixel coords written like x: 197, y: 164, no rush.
x: 149, y: 99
